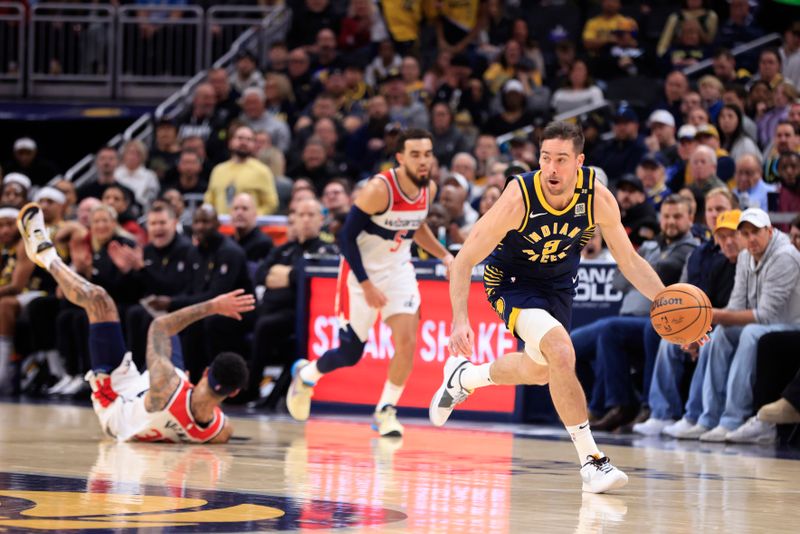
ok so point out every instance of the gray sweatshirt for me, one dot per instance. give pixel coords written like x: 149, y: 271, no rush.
x: 770, y: 288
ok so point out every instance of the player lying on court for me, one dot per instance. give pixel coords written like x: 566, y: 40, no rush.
x: 533, y: 236
x: 159, y: 404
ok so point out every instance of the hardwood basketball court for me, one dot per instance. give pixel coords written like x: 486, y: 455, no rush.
x: 57, y: 473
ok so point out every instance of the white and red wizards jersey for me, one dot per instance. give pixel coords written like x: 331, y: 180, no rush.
x: 385, y: 242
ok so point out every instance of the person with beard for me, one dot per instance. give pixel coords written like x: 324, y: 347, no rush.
x: 217, y: 265
x: 314, y: 164
x: 389, y: 213
x: 189, y: 179
x: 242, y: 174
x: 299, y: 72
x: 638, y: 216
x: 106, y: 162
x: 247, y: 234
x: 227, y: 97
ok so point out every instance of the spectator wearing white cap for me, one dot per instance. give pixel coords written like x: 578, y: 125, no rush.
x: 661, y: 140
x: 679, y: 174
x: 765, y: 298
x: 27, y: 161
x: 15, y: 190
x: 515, y: 114
x: 135, y: 176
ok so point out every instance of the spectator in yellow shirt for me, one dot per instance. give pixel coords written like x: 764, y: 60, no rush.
x: 242, y: 174
x: 599, y: 30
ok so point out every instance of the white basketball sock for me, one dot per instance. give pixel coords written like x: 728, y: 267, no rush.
x: 476, y: 376
x: 310, y: 374
x: 584, y: 441
x: 390, y: 395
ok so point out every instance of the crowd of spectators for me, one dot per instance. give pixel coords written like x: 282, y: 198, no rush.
x: 296, y: 133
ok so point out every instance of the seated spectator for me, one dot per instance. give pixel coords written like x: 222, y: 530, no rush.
x: 486, y: 152
x: 299, y: 73
x: 242, y: 174
x: 246, y: 73
x: 624, y: 57
x: 703, y: 165
x: 276, y: 319
x: 710, y: 89
x: 750, y: 188
x: 689, y: 50
x: 732, y: 136
x: 579, y: 91
x: 497, y: 26
x: 447, y: 140
x: 621, y: 154
x: 707, y: 135
x: 255, y: 115
x: 662, y: 136
x: 465, y: 164
x: 174, y: 198
x: 490, y: 195
x: 511, y: 64
x: 438, y: 220
x: 279, y: 98
x: 759, y: 99
x: 355, y: 34
x: 308, y: 18
x: 711, y: 267
x: 203, y: 121
x: 15, y: 190
x: 638, y: 216
x: 698, y: 117
x: 326, y: 130
x: 247, y: 234
x: 653, y: 175
x: 724, y: 66
x: 67, y: 188
x: 783, y: 94
x: 769, y: 68
x: 599, y: 30
x: 120, y: 199
x: 363, y: 146
x: 789, y: 176
x: 166, y: 149
x: 739, y: 28
x: 614, y: 342
x: 736, y: 95
x: 325, y: 53
x: 386, y: 61
x: 676, y: 86
x: 679, y: 173
x: 189, y: 178
x: 411, y: 73
x: 691, y: 9
x: 691, y: 101
x: 402, y: 109
x: 727, y: 362
x: 790, y: 53
x: 787, y: 139
x: 594, y: 251
x: 227, y: 97
x: 335, y: 199
x: 515, y: 115
x: 453, y: 196
x: 27, y: 161
x: 135, y: 176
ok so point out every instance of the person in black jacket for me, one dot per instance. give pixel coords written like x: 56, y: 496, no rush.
x: 160, y: 268
x: 638, y: 216
x: 248, y: 235
x: 276, y: 314
x: 216, y: 265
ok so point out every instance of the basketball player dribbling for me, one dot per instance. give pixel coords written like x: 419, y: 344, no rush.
x: 377, y: 275
x: 532, y: 237
x: 159, y: 404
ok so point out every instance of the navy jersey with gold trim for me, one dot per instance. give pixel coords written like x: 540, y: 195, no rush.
x: 546, y: 248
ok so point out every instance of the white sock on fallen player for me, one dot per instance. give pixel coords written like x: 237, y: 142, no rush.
x: 310, y: 374
x: 583, y: 440
x: 390, y: 395
x: 47, y: 257
x: 476, y: 376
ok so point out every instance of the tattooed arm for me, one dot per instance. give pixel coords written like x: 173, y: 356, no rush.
x: 163, y: 379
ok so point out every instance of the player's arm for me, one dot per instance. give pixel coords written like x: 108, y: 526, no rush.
x: 424, y: 238
x: 507, y: 214
x: 374, y: 198
x: 163, y: 379
x: 633, y: 266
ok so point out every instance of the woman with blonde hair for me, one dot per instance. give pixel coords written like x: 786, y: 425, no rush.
x: 279, y: 97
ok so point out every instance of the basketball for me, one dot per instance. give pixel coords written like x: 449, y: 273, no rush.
x: 681, y: 314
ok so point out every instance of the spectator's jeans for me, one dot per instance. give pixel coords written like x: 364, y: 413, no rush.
x: 584, y: 340
x: 665, y: 395
x: 731, y: 366
x: 620, y: 341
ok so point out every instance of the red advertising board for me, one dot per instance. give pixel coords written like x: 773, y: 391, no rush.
x: 362, y: 383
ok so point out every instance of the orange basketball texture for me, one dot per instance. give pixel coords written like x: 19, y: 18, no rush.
x: 681, y: 314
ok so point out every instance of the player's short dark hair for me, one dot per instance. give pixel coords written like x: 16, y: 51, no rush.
x: 162, y: 206
x: 565, y: 131
x: 227, y: 373
x: 675, y: 199
x: 411, y: 134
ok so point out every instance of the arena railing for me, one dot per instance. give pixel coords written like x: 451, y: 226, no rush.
x: 566, y: 116
x: 772, y: 38
x: 71, y: 49
x: 225, y: 25
x: 12, y: 48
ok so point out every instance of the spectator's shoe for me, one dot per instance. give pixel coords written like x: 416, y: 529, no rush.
x: 30, y: 222
x: 76, y: 386
x: 780, y: 412
x: 450, y: 393
x: 754, y: 430
x: 652, y: 427
x: 616, y: 417
x: 298, y: 399
x: 715, y: 435
x: 685, y: 429
x: 599, y: 476
x: 59, y: 386
x: 386, y: 423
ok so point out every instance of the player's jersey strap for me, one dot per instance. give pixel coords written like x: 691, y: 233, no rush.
x: 179, y: 408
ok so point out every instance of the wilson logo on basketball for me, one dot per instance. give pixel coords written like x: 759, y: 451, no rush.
x: 666, y: 302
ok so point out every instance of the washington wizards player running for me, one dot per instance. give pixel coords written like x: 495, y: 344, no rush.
x: 376, y: 275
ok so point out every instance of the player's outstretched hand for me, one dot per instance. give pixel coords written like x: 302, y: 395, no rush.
x: 461, y: 340
x: 234, y: 304
x: 374, y: 296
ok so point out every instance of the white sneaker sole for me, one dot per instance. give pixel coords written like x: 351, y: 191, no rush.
x: 298, y: 413
x: 619, y: 481
x: 434, y: 411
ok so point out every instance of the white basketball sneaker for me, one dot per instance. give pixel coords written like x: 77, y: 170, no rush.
x: 599, y: 476
x: 450, y: 393
x: 386, y: 422
x: 30, y: 222
x: 298, y: 398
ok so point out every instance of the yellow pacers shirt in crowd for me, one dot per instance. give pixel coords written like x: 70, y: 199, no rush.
x: 402, y: 18
x: 462, y: 13
x: 601, y: 27
x: 230, y: 178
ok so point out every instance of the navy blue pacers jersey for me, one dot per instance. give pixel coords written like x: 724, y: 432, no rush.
x: 535, y: 265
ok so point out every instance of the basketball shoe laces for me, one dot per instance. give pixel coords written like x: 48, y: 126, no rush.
x: 463, y: 392
x: 601, y: 464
